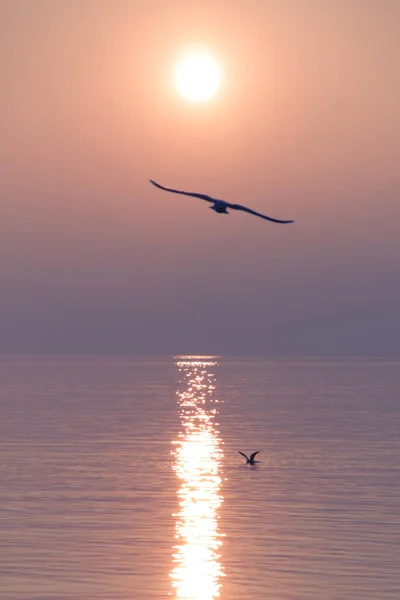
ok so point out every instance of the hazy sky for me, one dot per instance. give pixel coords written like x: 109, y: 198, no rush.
x: 305, y: 126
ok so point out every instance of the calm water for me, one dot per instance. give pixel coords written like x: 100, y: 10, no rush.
x: 121, y: 480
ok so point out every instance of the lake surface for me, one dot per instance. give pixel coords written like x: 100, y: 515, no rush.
x: 121, y: 479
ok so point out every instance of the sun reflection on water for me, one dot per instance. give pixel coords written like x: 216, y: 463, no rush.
x: 198, y: 464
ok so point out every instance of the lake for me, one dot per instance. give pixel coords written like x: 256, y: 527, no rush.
x: 121, y: 478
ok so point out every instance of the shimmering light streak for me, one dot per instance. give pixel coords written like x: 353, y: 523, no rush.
x: 198, y: 456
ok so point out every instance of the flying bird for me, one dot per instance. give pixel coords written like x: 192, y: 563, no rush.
x: 250, y: 461
x: 220, y: 206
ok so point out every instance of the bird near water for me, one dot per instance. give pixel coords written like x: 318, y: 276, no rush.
x: 219, y: 206
x: 250, y: 461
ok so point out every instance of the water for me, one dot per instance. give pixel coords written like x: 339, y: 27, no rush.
x: 120, y: 479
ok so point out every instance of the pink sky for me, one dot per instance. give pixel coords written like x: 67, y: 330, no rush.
x: 305, y: 126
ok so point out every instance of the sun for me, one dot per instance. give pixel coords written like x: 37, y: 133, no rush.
x: 197, y: 75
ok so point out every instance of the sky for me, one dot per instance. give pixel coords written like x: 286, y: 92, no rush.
x: 305, y: 126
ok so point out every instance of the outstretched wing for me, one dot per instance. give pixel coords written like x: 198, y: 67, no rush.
x: 202, y: 196
x: 253, y: 212
x: 252, y: 456
x: 243, y: 454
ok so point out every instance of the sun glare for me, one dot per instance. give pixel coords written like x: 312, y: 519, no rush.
x: 198, y: 458
x: 197, y: 76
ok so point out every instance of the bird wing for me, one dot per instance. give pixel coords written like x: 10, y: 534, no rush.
x: 243, y: 454
x: 253, y: 212
x: 252, y: 456
x: 195, y: 195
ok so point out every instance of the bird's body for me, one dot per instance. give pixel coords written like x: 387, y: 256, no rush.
x: 219, y: 206
x: 250, y: 461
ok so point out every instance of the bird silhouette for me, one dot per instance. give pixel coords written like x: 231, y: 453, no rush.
x: 250, y: 461
x: 219, y: 206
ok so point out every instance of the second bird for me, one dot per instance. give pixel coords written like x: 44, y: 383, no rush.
x: 250, y: 461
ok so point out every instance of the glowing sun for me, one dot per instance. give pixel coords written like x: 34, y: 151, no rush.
x: 197, y: 76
